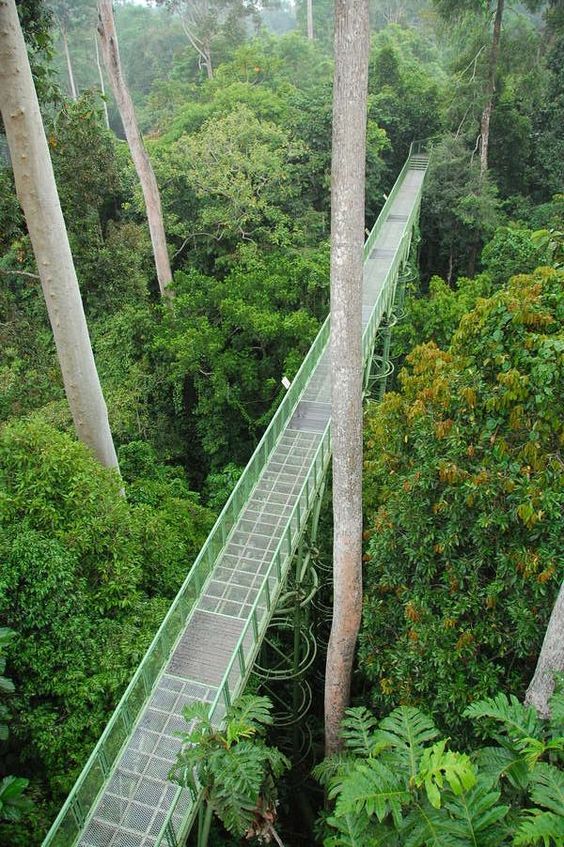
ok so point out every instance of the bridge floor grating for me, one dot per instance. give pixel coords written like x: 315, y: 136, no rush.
x: 133, y: 806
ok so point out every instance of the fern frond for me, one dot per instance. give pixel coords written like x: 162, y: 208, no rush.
x: 372, y: 789
x: 357, y: 729
x: 498, y: 762
x: 333, y: 767
x: 544, y: 828
x: 547, y: 788
x: 427, y: 827
x: 438, y: 765
x: 519, y: 721
x: 557, y: 707
x: 252, y: 710
x: 407, y: 730
x: 359, y: 831
x: 477, y: 817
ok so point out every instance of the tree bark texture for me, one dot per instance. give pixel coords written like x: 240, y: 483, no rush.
x: 487, y: 113
x: 69, y: 64
x: 550, y: 661
x: 110, y: 52
x: 347, y: 239
x: 102, y: 86
x: 37, y: 193
x: 310, y: 19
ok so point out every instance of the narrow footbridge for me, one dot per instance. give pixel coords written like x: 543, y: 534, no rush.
x: 208, y: 642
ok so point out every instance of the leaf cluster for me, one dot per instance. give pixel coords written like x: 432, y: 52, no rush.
x: 232, y: 763
x: 397, y: 783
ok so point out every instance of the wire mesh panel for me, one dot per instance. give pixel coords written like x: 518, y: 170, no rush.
x: 205, y: 648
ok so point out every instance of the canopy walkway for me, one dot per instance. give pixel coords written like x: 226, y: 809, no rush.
x: 208, y: 642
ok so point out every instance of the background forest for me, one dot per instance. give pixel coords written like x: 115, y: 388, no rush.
x: 463, y: 461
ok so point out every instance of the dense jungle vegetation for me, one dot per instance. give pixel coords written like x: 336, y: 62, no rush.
x: 463, y: 464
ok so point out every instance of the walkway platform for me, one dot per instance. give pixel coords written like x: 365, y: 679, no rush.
x: 207, y: 645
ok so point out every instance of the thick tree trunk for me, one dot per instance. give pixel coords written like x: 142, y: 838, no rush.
x: 69, y: 64
x: 37, y: 193
x: 347, y: 237
x: 102, y: 86
x: 551, y: 660
x: 310, y: 19
x: 110, y: 52
x: 487, y: 113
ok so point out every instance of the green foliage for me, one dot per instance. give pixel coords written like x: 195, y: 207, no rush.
x: 435, y: 797
x: 233, y: 764
x: 86, y: 578
x: 463, y: 495
x: 460, y: 209
x: 512, y: 251
x: 13, y: 805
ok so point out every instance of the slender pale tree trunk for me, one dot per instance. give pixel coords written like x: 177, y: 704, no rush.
x: 110, y: 52
x: 310, y: 19
x: 102, y: 86
x: 347, y: 238
x: 487, y: 113
x: 551, y: 660
x: 69, y: 64
x: 37, y: 193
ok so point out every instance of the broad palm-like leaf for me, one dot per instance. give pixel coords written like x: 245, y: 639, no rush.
x: 427, y: 827
x: 333, y: 769
x: 13, y: 805
x: 547, y: 788
x: 438, y: 766
x: 358, y: 831
x: 372, y: 789
x: 357, y: 731
x: 476, y: 816
x: 252, y: 710
x: 544, y: 828
x: 496, y: 762
x: 519, y: 722
x: 407, y: 730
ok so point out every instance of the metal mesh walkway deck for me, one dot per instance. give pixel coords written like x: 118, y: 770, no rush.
x: 209, y: 640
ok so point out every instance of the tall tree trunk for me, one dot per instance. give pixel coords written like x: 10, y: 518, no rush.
x: 69, y: 64
x: 102, y: 86
x: 347, y: 237
x: 551, y: 660
x: 110, y: 52
x: 37, y: 193
x: 487, y: 113
x: 310, y: 19
x: 208, y: 61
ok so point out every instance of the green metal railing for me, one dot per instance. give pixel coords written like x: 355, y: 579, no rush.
x: 74, y: 814
x: 246, y: 649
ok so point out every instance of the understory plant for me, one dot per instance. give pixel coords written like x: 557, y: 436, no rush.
x: 13, y: 804
x: 398, y: 783
x: 234, y: 768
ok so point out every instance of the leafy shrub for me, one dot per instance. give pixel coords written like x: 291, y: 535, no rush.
x: 397, y: 783
x: 80, y: 583
x: 463, y: 500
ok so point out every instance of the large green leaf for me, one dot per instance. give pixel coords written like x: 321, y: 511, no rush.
x: 519, y: 722
x: 439, y: 765
x: 544, y: 828
x: 407, y: 731
x: 547, y: 788
x: 13, y: 805
x: 374, y: 790
x: 357, y: 731
x: 476, y: 816
x: 352, y: 830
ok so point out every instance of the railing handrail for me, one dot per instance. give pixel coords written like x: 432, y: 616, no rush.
x: 200, y: 572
